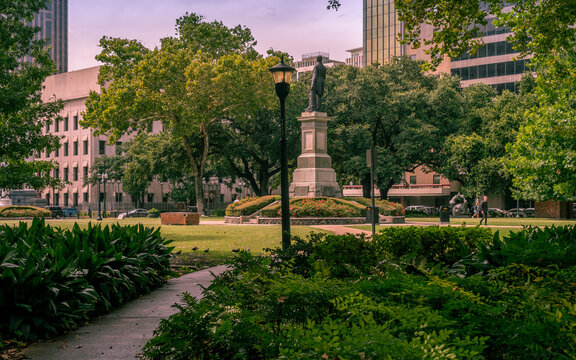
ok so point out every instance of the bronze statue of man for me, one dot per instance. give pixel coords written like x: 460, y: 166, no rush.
x: 317, y: 87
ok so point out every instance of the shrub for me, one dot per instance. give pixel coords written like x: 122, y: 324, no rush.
x: 52, y: 279
x: 250, y: 205
x: 386, y: 208
x: 443, y: 245
x: 318, y: 207
x: 551, y: 246
x: 24, y: 211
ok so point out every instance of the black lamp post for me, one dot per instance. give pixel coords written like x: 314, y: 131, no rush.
x: 99, y: 217
x: 101, y: 177
x: 282, y: 74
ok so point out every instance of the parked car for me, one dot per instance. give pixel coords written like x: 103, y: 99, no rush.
x: 495, y: 212
x: 516, y: 212
x: 530, y: 212
x: 71, y: 212
x: 134, y: 213
x: 56, y: 211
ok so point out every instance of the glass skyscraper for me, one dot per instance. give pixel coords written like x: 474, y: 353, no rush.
x: 381, y: 29
x: 53, y: 23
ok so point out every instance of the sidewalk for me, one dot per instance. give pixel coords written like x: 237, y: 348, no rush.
x: 122, y: 333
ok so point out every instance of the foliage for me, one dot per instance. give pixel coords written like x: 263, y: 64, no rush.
x: 474, y: 155
x: 153, y: 211
x: 23, y: 114
x: 539, y: 29
x: 405, y: 113
x: 533, y: 246
x: 23, y: 211
x: 439, y: 245
x: 318, y: 207
x: 385, y: 207
x: 189, y: 84
x: 335, y: 297
x: 250, y: 205
x: 52, y: 279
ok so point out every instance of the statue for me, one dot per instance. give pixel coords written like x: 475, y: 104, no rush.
x: 317, y: 87
x: 458, y: 204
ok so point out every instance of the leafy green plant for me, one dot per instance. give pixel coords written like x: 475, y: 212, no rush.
x: 444, y: 245
x: 52, y: 279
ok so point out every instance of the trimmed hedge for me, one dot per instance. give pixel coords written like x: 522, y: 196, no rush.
x: 250, y: 205
x: 23, y: 211
x: 318, y: 207
x: 386, y: 208
x: 53, y: 279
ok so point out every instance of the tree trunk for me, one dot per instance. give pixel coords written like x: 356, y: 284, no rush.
x: 384, y: 190
x: 366, y: 191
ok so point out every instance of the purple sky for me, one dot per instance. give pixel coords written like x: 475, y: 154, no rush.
x: 294, y: 26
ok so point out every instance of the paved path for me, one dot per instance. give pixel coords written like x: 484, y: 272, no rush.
x: 122, y: 333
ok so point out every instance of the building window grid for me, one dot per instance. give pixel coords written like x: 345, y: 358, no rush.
x: 65, y: 120
x: 75, y: 148
x: 491, y: 70
x: 75, y: 120
x: 488, y: 50
x: 85, y: 147
x: 75, y: 173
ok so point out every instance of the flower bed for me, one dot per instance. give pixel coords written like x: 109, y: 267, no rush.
x: 250, y: 205
x: 385, y: 207
x: 318, y: 207
x: 23, y: 212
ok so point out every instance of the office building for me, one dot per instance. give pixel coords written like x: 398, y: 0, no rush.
x: 309, y: 61
x: 53, y: 24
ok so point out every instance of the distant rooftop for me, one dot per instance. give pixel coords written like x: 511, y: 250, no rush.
x: 313, y: 55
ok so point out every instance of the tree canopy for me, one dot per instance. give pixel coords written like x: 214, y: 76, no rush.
x: 192, y: 83
x: 23, y: 115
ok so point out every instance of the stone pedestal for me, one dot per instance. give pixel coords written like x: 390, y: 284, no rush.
x: 314, y: 176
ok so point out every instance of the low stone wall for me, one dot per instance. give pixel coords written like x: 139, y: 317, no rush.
x: 236, y: 219
x: 180, y: 218
x: 315, y: 221
x: 393, y: 219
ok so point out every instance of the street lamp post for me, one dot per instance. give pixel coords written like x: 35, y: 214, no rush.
x: 282, y: 75
x: 104, y: 178
x: 99, y: 217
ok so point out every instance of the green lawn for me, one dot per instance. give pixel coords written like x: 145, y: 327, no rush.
x: 219, y: 239
x: 498, y: 221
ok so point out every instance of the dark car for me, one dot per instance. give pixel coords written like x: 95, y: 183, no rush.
x: 70, y: 212
x: 56, y: 211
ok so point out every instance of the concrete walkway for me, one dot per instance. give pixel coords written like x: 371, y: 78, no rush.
x: 123, y: 333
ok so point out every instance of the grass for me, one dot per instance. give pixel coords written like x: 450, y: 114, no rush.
x: 217, y: 239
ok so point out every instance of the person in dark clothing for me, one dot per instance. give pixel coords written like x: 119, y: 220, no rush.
x: 484, y: 210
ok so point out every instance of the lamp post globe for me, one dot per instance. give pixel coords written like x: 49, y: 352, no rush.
x: 282, y: 75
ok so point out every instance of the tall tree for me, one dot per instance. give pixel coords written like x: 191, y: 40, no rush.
x: 206, y: 74
x: 403, y: 112
x: 23, y: 115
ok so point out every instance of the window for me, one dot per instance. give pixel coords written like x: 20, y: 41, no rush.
x: 65, y: 147
x: 75, y: 122
x: 490, y: 70
x: 57, y: 151
x: 85, y: 197
x: 85, y: 171
x: 47, y: 127
x: 56, y: 125
x: 412, y: 179
x: 56, y: 173
x: 75, y: 173
x: 501, y: 48
x: 65, y: 199
x: 75, y: 148
x: 491, y: 49
x: 500, y: 69
x: 150, y: 197
x: 481, y: 71
x: 436, y: 179
x: 75, y: 199
x: 102, y: 147
x: 85, y: 147
x: 118, y: 197
x: 65, y: 120
x: 65, y: 174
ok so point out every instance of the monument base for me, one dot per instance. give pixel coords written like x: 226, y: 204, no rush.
x: 315, y: 182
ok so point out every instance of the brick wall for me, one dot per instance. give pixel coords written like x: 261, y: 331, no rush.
x: 180, y: 218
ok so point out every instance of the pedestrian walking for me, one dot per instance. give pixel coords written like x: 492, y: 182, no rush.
x: 484, y: 210
x: 90, y: 213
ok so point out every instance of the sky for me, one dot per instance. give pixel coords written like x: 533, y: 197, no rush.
x: 294, y: 26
